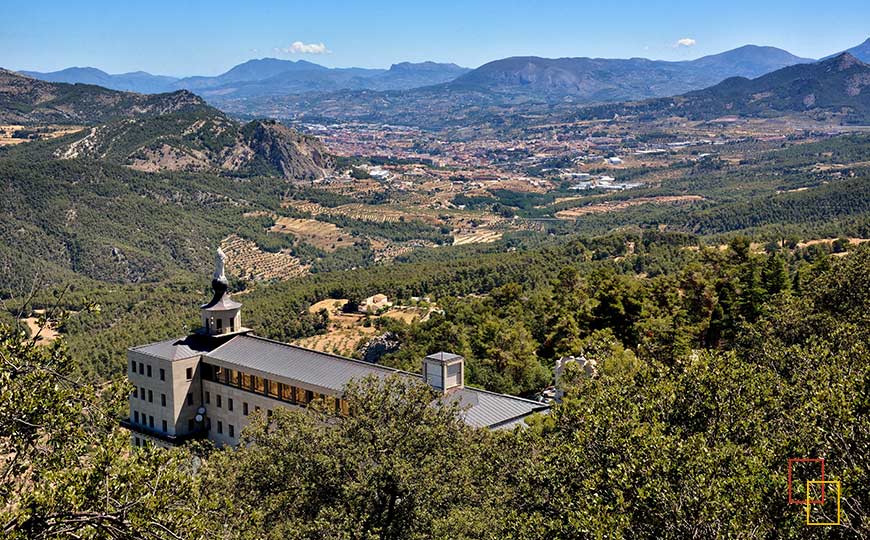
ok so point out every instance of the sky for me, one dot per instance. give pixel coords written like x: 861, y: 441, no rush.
x: 179, y: 37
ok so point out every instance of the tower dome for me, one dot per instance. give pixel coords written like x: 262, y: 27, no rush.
x: 222, y: 315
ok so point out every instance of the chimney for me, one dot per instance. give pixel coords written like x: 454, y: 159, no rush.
x: 444, y: 371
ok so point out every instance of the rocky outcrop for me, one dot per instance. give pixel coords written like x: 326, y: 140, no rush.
x: 293, y: 155
x: 378, y: 346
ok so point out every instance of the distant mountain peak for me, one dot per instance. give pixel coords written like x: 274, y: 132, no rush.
x: 843, y: 61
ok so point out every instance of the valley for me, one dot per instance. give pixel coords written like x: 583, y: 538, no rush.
x: 554, y: 271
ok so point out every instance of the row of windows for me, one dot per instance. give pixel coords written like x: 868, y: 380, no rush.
x: 147, y: 421
x: 145, y: 369
x: 269, y: 388
x: 141, y: 391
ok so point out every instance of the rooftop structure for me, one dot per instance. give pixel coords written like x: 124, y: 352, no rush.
x: 207, y: 384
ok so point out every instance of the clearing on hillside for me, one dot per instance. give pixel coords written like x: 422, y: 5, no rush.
x: 319, y: 234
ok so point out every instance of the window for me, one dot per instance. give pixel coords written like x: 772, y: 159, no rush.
x: 256, y: 408
x: 208, y: 424
x: 259, y: 387
x: 287, y: 392
x: 141, y: 368
x: 135, y: 417
x: 142, y: 392
x: 138, y: 441
x: 219, y: 325
x: 190, y: 425
x: 218, y: 398
x: 133, y: 366
x: 272, y: 387
x: 229, y: 404
x: 163, y: 400
x: 309, y: 396
x: 233, y: 377
x: 151, y: 422
x: 190, y: 399
x: 207, y: 398
x: 245, y: 408
x: 189, y: 373
x: 148, y: 367
x: 300, y: 396
x: 246, y: 382
x: 232, y: 430
x: 150, y: 396
x: 232, y: 329
x: 345, y: 408
x: 164, y: 427
x: 220, y: 427
x: 162, y: 374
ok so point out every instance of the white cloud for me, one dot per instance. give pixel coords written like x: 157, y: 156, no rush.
x: 297, y: 47
x: 685, y: 42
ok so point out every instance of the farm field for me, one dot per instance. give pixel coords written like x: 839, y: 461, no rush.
x: 364, y: 212
x: 615, y: 206
x: 248, y: 261
x: 480, y: 236
x: 319, y: 234
x: 347, y: 330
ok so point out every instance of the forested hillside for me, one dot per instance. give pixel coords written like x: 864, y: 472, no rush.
x: 709, y: 378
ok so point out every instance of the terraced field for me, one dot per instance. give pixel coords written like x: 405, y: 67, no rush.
x: 363, y: 212
x: 480, y: 236
x: 249, y: 262
x: 319, y: 234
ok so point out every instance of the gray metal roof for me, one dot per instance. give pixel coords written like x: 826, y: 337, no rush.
x: 443, y: 356
x: 222, y: 303
x: 480, y: 408
x: 178, y: 348
x: 306, y: 366
x: 488, y: 409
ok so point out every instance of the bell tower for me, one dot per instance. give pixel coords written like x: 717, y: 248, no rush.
x: 221, y: 315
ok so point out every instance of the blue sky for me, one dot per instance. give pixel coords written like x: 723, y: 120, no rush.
x: 207, y: 37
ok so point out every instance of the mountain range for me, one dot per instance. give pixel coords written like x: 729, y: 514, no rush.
x: 835, y: 87
x: 584, y: 80
x: 175, y: 131
x: 598, y: 79
x: 266, y: 76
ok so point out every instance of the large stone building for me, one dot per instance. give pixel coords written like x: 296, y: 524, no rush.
x: 207, y: 384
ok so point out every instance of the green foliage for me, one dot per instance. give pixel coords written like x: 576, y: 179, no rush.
x: 67, y: 470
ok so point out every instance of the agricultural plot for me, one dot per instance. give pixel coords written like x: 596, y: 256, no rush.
x: 248, y: 261
x: 615, y: 206
x: 479, y: 236
x: 363, y: 212
x: 341, y: 341
x: 319, y: 234
x: 347, y: 330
